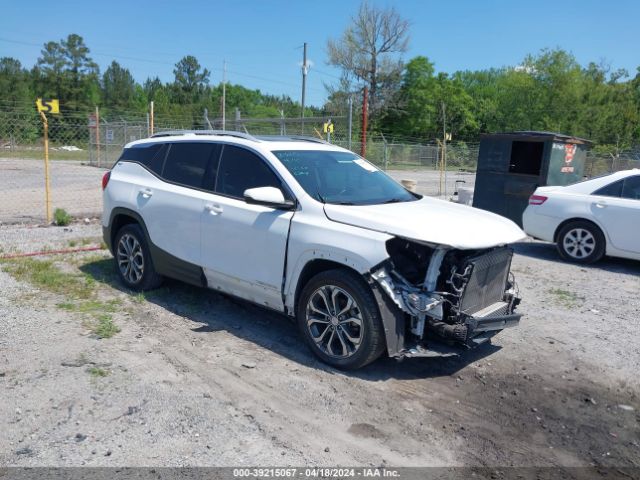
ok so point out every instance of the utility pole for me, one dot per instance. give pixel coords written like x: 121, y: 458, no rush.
x: 224, y: 94
x: 304, y: 83
x: 365, y: 100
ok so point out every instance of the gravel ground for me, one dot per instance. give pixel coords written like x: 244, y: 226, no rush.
x: 195, y: 378
x: 76, y: 188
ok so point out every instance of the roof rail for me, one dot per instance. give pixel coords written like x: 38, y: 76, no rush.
x: 301, y: 138
x: 305, y: 138
x: 228, y: 133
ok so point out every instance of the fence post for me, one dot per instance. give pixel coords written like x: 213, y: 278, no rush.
x: 98, y: 135
x: 363, y: 145
x: 349, y: 121
x: 151, y: 118
x: 384, y: 152
x: 106, y: 143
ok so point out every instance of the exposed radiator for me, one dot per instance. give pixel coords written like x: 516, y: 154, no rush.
x: 487, y: 280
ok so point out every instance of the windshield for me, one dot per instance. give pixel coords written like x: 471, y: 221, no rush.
x: 342, y: 178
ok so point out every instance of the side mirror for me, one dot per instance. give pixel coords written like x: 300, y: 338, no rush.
x: 269, y: 197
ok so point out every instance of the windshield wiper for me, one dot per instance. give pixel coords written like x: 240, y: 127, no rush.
x: 394, y: 200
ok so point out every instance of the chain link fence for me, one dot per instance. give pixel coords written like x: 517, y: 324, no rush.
x: 81, y: 142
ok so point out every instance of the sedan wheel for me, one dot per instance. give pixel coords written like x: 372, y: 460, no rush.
x: 581, y: 242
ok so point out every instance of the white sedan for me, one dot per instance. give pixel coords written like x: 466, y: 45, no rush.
x: 589, y: 219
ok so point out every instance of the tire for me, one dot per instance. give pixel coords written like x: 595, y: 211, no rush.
x: 133, y: 259
x: 348, y: 340
x: 581, y: 242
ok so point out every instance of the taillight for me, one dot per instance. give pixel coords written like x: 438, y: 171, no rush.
x: 537, y: 199
x: 105, y: 179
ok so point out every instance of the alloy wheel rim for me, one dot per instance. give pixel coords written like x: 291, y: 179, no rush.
x: 334, y: 321
x: 130, y: 258
x: 579, y: 243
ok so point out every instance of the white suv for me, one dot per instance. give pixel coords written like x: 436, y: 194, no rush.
x: 314, y: 231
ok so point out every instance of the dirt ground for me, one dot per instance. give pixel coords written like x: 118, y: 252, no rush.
x: 194, y: 378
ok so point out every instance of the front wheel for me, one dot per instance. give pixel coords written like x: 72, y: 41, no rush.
x: 339, y: 318
x: 581, y: 242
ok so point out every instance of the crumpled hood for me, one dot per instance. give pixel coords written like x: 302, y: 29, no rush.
x: 431, y: 220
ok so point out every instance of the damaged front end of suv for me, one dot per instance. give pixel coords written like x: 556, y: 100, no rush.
x: 438, y: 300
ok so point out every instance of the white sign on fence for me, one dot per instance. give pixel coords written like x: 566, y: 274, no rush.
x: 109, y: 135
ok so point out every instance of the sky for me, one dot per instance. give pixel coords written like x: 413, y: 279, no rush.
x: 261, y: 40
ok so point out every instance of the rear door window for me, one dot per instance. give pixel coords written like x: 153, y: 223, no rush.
x: 631, y: 188
x: 240, y: 170
x: 187, y: 163
x: 612, y: 190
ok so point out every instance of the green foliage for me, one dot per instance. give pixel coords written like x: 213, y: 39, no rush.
x: 548, y: 91
x: 61, y: 217
x: 97, y: 372
x: 104, y: 326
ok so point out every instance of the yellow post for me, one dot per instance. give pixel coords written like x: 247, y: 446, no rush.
x: 47, y: 186
x: 98, y: 134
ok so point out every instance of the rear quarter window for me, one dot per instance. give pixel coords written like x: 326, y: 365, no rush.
x: 150, y: 155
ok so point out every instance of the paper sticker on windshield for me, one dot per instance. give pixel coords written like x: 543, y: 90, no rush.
x: 366, y: 165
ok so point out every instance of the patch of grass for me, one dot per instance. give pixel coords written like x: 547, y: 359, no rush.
x: 91, y: 306
x: 78, y: 291
x: 72, y: 243
x: 104, y: 326
x: 97, y: 372
x: 139, y: 297
x: 46, y: 276
x: 565, y: 297
x: 85, y: 241
x: 61, y: 217
x: 66, y: 306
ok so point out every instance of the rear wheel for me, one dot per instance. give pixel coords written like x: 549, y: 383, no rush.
x: 581, y: 242
x: 133, y: 259
x: 338, y: 317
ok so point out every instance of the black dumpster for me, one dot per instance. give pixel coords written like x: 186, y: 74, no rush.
x: 512, y: 165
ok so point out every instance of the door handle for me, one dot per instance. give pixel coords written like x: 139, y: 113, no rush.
x: 601, y: 204
x: 146, y: 192
x: 213, y: 209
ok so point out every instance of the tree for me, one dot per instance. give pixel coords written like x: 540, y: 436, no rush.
x: 50, y: 67
x: 118, y: 86
x: 189, y: 75
x: 368, y: 50
x: 66, y: 71
x: 426, y: 101
x: 14, y: 86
